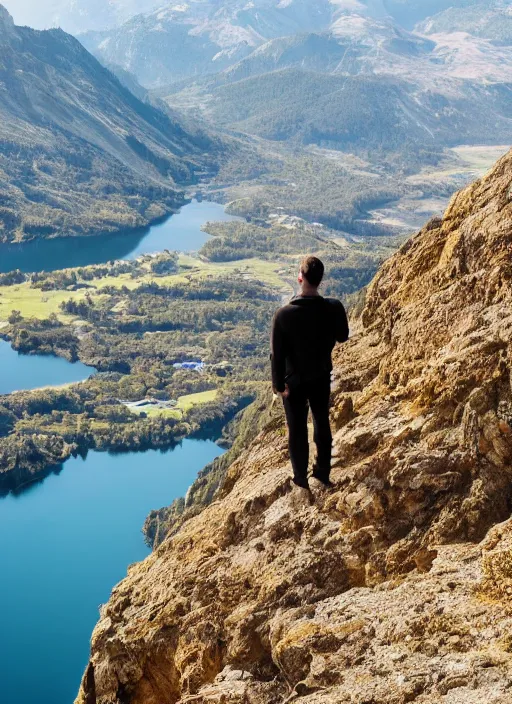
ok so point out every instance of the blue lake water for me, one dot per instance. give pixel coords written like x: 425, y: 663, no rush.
x: 180, y: 232
x: 19, y: 371
x: 65, y: 542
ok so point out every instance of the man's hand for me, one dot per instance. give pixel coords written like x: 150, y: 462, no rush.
x: 285, y: 393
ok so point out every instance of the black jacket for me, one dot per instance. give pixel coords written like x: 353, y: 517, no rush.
x: 304, y: 333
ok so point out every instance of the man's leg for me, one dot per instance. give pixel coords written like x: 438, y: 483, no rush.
x: 296, y: 409
x: 319, y: 399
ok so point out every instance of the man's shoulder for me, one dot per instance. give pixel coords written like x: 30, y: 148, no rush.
x: 284, y: 311
x: 290, y: 307
x: 335, y: 303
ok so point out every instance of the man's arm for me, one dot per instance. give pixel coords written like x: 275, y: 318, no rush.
x: 278, y: 356
x: 341, y: 323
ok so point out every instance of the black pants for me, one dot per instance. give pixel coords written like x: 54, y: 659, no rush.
x: 315, y: 394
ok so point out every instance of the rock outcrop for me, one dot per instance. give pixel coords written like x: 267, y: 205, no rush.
x: 397, y: 585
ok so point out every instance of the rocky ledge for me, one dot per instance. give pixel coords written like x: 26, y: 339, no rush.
x: 396, y: 586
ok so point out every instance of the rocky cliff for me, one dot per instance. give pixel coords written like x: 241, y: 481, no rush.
x: 396, y: 586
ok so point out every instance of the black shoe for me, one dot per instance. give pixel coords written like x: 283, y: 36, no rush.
x: 302, y: 483
x: 323, y: 478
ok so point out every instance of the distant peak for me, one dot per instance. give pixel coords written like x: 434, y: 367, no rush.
x: 5, y: 18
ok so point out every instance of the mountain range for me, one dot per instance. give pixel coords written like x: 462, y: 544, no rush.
x: 366, y: 84
x: 345, y: 75
x: 78, y: 152
x: 354, y: 111
x: 188, y: 40
x: 488, y: 19
x: 84, y: 15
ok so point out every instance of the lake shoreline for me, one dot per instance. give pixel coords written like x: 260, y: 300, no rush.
x: 172, y: 230
x: 67, y: 542
x: 49, y: 418
x: 157, y: 220
x: 56, y: 451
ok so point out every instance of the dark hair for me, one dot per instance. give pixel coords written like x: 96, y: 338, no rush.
x: 313, y: 270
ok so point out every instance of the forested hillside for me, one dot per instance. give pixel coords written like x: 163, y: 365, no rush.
x: 359, y: 112
x: 78, y: 152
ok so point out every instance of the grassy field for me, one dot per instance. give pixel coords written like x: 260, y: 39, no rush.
x: 254, y: 268
x: 184, y: 404
x: 153, y: 412
x: 196, y: 268
x: 481, y: 158
x: 34, y: 303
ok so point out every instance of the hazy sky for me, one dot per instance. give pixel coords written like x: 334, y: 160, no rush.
x: 76, y: 15
x: 34, y: 13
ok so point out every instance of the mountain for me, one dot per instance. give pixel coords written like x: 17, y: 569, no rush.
x: 465, y: 56
x: 176, y: 42
x: 395, y: 585
x: 365, y: 83
x: 474, y: 40
x: 488, y: 19
x: 186, y: 40
x: 376, y: 47
x: 347, y: 49
x: 78, y: 152
x: 352, y: 112
x: 409, y: 12
x: 77, y: 15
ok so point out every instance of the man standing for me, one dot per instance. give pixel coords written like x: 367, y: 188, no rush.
x: 304, y: 333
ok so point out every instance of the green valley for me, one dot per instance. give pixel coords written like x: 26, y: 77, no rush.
x: 137, y: 322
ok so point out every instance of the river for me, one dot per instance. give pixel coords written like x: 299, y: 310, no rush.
x: 67, y: 540
x: 181, y: 232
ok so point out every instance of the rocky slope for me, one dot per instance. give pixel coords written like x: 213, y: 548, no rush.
x: 395, y: 587
x: 489, y: 19
x: 78, y: 152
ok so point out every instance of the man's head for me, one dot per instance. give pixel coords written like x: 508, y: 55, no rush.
x: 311, y: 271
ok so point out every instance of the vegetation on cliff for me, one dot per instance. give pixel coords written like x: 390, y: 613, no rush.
x: 237, y: 435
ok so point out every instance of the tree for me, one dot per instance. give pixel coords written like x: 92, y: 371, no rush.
x: 15, y: 317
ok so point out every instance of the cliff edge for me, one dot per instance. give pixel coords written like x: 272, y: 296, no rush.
x: 396, y: 586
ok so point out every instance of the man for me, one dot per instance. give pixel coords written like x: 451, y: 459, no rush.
x: 304, y: 334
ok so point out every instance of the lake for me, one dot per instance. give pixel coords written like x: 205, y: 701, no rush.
x: 65, y: 542
x: 180, y: 232
x: 20, y: 372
